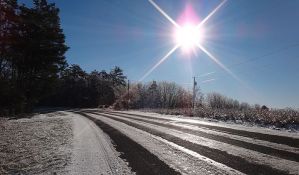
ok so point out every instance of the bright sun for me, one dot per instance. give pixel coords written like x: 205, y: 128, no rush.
x: 188, y: 36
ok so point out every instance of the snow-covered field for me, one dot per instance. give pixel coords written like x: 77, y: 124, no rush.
x: 113, y: 142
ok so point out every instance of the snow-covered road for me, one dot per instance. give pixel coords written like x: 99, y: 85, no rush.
x: 112, y: 142
x: 93, y: 152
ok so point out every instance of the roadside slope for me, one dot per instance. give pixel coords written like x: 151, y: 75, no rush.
x: 37, y: 145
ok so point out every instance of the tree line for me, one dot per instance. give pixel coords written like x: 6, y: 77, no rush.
x: 76, y: 88
x: 155, y: 95
x: 33, y: 67
x: 171, y: 98
x: 169, y: 95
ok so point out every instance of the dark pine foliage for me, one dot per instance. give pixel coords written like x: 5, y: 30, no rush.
x: 33, y: 67
x: 76, y: 88
x: 8, y: 39
x: 32, y: 53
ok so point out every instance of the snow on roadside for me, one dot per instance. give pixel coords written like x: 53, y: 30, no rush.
x: 38, y: 145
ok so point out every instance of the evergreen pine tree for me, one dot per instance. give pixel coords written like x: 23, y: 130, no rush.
x: 42, y: 50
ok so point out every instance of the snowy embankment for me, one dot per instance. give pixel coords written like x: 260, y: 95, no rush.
x: 38, y: 145
x: 57, y: 143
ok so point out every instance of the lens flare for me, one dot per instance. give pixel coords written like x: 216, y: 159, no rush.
x: 163, y: 13
x: 211, y: 14
x: 212, y: 57
x: 188, y: 37
x: 158, y: 64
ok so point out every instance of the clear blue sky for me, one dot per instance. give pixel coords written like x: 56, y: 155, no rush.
x: 257, y: 40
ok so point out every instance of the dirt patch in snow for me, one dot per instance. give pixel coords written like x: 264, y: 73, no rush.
x: 40, y: 145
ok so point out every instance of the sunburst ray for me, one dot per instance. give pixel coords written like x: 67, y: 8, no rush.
x: 159, y: 63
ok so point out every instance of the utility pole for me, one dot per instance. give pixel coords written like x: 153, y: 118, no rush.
x: 194, y: 93
x: 195, y: 84
x: 128, y: 94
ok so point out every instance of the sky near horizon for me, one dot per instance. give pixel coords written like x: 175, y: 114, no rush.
x: 257, y: 40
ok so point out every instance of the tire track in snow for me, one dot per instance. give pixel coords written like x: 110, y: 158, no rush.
x: 181, y: 159
x: 220, y: 156
x: 140, y: 160
x: 293, y: 142
x: 93, y: 152
x: 250, y: 155
x: 255, y: 147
